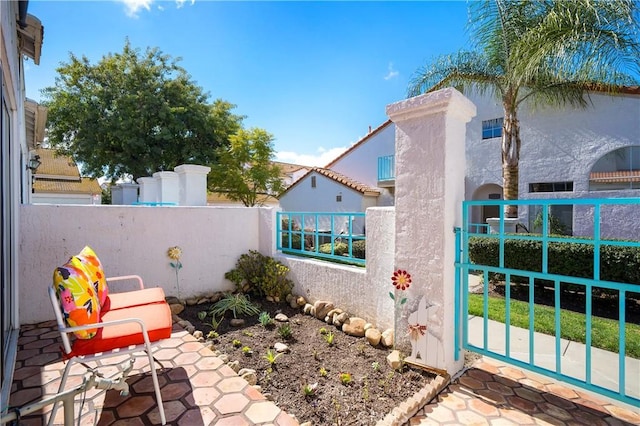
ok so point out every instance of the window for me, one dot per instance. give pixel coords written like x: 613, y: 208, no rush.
x: 559, y: 219
x: 617, y: 170
x: 551, y: 187
x: 492, y: 128
x: 339, y: 198
x: 313, y: 181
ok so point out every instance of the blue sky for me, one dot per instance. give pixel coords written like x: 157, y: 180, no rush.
x: 314, y: 74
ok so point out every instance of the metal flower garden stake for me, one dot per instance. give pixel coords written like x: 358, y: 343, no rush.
x: 401, y: 280
x: 175, y: 253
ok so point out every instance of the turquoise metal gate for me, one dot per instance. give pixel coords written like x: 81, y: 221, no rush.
x: 589, y: 269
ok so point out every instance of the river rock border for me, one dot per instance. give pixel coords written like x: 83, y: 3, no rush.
x: 351, y: 325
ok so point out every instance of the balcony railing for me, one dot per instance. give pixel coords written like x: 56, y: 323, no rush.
x: 386, y: 168
x: 334, y: 236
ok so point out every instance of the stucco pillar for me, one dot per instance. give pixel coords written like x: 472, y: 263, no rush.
x: 148, y: 189
x: 192, y: 180
x: 124, y: 194
x: 168, y: 191
x: 430, y: 172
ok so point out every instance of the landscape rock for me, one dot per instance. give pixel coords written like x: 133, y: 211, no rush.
x: 292, y: 302
x: 289, y: 298
x: 281, y: 347
x: 236, y: 322
x: 249, y: 375
x: 368, y: 326
x: 224, y: 358
x: 387, y: 338
x: 354, y: 326
x: 281, y: 317
x: 198, y: 334
x: 176, y: 308
x: 394, y: 361
x: 339, y: 319
x: 234, y: 365
x: 191, y: 301
x: 270, y: 299
x: 373, y: 336
x: 322, y: 308
x: 190, y: 329
x: 202, y: 301
x: 301, y: 301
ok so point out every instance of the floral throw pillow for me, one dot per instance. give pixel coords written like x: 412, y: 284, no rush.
x: 96, y: 274
x: 77, y: 296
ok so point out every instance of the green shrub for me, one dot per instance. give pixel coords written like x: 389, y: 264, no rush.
x: 359, y: 249
x: 260, y: 275
x: 339, y: 248
x: 617, y: 263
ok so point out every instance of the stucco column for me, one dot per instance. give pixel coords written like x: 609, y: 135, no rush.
x: 168, y: 191
x: 192, y: 180
x: 148, y: 189
x: 430, y: 172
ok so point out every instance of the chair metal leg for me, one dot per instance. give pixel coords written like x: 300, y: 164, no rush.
x: 63, y: 381
x: 156, y: 385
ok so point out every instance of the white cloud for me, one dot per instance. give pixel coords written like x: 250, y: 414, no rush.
x: 180, y: 3
x: 392, y: 73
x: 320, y: 159
x: 132, y: 7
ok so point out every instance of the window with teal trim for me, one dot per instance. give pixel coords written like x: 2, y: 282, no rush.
x: 492, y: 128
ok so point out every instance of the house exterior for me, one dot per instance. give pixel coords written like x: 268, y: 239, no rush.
x: 20, y: 38
x: 57, y: 181
x: 566, y: 153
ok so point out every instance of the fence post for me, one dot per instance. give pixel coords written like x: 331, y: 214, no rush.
x: 430, y: 171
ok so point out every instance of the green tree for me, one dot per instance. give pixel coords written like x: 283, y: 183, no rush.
x: 544, y: 52
x: 244, y: 171
x: 134, y: 114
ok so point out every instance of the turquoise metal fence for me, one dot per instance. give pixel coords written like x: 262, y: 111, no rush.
x: 332, y: 236
x: 578, y: 364
x: 386, y: 168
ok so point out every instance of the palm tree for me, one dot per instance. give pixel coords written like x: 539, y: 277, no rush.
x: 544, y: 52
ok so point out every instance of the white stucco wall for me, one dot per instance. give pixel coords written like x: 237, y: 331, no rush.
x: 359, y: 291
x: 361, y: 164
x: 65, y: 199
x: 134, y: 240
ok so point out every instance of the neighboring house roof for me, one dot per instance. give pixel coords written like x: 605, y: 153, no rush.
x: 289, y: 167
x: 357, y: 144
x: 83, y: 186
x: 221, y: 198
x: 59, y: 174
x: 341, y: 179
x: 55, y: 165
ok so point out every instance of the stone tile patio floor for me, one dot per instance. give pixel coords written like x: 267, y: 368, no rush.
x: 198, y: 389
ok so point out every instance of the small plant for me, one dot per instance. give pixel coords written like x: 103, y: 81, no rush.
x: 323, y: 372
x: 345, y: 378
x: 375, y: 365
x: 214, y: 324
x: 238, y: 304
x: 247, y: 333
x: 247, y: 350
x: 213, y: 335
x: 202, y: 315
x: 329, y: 337
x: 285, y: 331
x: 309, y: 390
x: 323, y: 331
x: 236, y: 343
x: 271, y: 357
x: 265, y: 319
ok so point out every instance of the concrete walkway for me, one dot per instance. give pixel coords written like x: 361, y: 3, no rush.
x: 604, y: 364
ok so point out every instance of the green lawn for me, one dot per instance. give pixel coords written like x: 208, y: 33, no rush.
x: 572, y: 324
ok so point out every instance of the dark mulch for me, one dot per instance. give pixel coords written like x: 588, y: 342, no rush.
x: 375, y: 389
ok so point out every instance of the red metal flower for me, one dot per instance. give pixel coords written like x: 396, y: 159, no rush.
x: 401, y: 279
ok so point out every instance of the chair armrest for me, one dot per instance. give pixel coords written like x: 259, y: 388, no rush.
x: 145, y: 334
x: 128, y: 277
